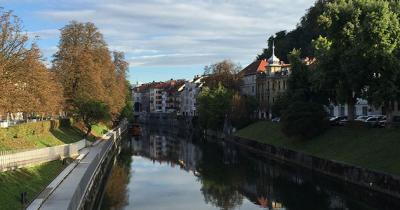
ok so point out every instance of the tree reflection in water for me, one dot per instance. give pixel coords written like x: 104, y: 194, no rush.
x: 115, y: 195
x: 231, y: 177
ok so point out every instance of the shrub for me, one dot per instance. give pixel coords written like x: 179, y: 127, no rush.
x: 304, y: 120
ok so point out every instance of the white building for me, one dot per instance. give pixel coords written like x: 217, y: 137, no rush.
x: 188, y: 94
x: 362, y: 108
x: 248, y: 86
x: 155, y: 101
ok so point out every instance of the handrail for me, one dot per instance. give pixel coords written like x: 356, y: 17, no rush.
x: 93, y: 169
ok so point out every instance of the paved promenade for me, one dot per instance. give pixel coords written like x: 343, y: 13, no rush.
x: 61, y: 190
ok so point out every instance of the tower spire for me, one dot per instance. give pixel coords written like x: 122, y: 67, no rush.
x: 273, y: 59
x: 273, y: 47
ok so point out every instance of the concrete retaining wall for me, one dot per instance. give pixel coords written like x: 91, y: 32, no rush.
x: 11, y: 160
x: 374, y: 180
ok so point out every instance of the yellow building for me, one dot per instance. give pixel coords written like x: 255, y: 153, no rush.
x: 270, y: 83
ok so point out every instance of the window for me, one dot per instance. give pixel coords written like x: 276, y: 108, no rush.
x: 252, y: 89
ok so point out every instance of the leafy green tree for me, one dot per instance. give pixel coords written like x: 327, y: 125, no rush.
x: 90, y: 112
x: 301, y: 106
x: 358, y: 53
x: 299, y: 38
x: 242, y: 112
x: 304, y: 120
x: 281, y: 103
x: 214, y: 106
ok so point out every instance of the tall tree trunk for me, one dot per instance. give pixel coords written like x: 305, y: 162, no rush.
x: 350, y: 109
x: 89, y: 130
x: 389, y: 112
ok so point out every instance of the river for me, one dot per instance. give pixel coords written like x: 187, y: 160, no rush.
x: 166, y: 169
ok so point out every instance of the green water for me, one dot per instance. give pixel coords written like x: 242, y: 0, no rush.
x: 163, y: 171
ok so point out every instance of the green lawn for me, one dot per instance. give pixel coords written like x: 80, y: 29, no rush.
x: 372, y: 148
x: 99, y: 129
x: 43, y: 134
x: 31, y: 180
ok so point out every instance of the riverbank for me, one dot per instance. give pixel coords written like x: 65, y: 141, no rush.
x: 375, y: 149
x: 30, y: 179
x: 44, y: 134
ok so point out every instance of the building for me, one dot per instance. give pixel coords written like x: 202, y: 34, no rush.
x: 188, y: 96
x: 157, y: 97
x: 155, y: 101
x: 270, y: 83
x: 249, y: 74
x: 361, y: 108
x: 171, y: 96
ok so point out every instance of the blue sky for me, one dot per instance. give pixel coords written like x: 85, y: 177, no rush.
x: 166, y: 39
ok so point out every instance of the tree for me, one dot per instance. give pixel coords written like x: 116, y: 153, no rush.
x: 301, y: 106
x: 86, y: 69
x: 242, y: 110
x: 304, y: 120
x: 361, y: 37
x: 214, y: 107
x: 224, y: 72
x: 77, y: 61
x: 300, y: 38
x: 27, y: 85
x: 90, y: 112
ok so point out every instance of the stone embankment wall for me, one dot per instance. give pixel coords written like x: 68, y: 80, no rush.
x: 10, y: 160
x: 374, y: 180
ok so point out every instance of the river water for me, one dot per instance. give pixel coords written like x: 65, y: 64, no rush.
x: 166, y: 169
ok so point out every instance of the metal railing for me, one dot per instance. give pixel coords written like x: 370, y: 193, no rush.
x: 16, y: 159
x: 95, y: 166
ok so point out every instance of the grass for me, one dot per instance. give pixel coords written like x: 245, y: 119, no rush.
x: 43, y: 134
x: 99, y: 129
x: 31, y: 180
x: 371, y: 148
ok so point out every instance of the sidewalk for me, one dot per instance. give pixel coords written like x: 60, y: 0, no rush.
x: 59, y: 193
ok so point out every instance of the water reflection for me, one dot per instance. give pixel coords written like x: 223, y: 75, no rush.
x: 116, y: 192
x: 170, y: 171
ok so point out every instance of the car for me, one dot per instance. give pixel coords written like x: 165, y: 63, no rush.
x: 340, y: 120
x: 395, y: 122
x: 362, y: 118
x: 374, y: 121
x: 276, y: 119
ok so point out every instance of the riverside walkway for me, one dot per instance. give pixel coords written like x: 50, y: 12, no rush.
x: 62, y: 195
x: 68, y: 189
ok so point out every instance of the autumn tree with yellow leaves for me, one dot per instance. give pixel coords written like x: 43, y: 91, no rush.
x: 26, y: 84
x: 88, y: 70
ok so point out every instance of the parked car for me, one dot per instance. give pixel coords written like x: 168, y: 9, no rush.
x: 276, y: 119
x: 362, y: 118
x: 341, y: 120
x: 395, y: 122
x: 374, y: 121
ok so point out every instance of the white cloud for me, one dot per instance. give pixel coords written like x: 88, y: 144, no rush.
x: 182, y: 32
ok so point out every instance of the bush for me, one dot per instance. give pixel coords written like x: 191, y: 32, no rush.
x: 304, y: 120
x: 65, y: 122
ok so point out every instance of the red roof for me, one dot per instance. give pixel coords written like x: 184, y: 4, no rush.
x: 256, y: 66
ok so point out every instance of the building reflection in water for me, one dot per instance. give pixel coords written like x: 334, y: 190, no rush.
x: 231, y: 176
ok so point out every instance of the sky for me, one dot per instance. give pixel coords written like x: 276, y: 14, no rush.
x: 164, y: 39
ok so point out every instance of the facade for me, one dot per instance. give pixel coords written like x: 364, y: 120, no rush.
x: 157, y: 97
x: 270, y: 83
x: 188, y: 96
x: 248, y: 86
x: 362, y: 108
